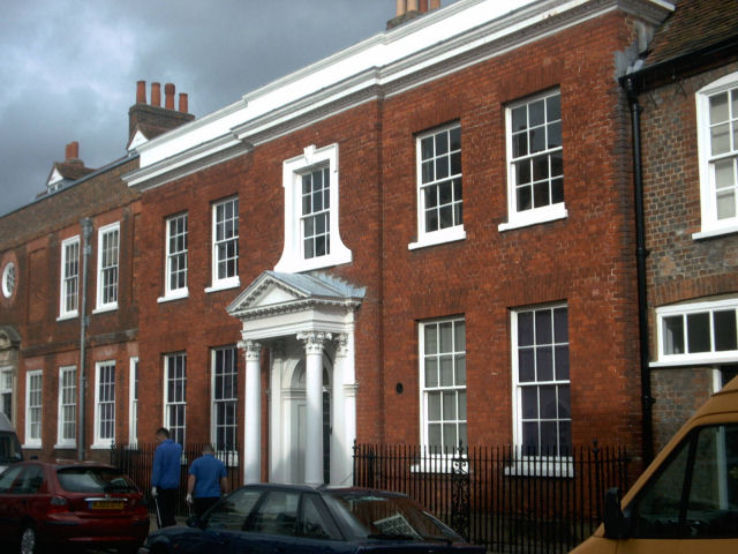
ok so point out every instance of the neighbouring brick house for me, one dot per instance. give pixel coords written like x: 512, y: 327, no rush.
x: 43, y: 266
x: 687, y: 90
x: 303, y: 268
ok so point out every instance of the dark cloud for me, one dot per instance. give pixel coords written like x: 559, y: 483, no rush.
x: 69, y: 67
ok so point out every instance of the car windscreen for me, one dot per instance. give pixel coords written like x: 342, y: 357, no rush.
x: 391, y: 517
x: 94, y: 480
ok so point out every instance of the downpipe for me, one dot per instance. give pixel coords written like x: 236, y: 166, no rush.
x: 83, y: 323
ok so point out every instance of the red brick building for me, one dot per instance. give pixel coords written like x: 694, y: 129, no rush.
x: 69, y: 253
x: 425, y: 238
x: 312, y: 270
x: 687, y: 93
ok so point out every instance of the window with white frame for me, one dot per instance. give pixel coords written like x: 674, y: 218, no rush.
x: 535, y: 161
x: 443, y: 384
x: 133, y: 403
x: 698, y: 332
x: 717, y: 132
x: 311, y: 233
x: 225, y: 397
x: 67, y: 418
x: 176, y: 256
x: 175, y: 395
x: 108, y: 247
x: 104, y: 404
x: 34, y: 408
x: 7, y: 390
x: 541, y: 400
x: 225, y: 245
x: 439, y: 194
x: 69, y: 288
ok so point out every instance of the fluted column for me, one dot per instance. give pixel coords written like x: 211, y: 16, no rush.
x: 338, y: 413
x: 252, y: 413
x: 314, y: 405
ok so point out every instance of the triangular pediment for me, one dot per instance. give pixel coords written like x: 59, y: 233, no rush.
x: 137, y: 140
x: 275, y: 292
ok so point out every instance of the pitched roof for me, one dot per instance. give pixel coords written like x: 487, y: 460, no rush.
x: 694, y: 26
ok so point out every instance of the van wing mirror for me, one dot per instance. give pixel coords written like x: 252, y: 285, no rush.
x: 615, y: 527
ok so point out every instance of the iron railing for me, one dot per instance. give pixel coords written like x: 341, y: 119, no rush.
x: 137, y: 463
x: 496, y: 496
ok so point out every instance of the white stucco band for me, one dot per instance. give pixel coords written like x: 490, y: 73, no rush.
x: 308, y: 321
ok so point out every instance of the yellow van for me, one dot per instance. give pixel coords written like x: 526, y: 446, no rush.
x: 687, y: 499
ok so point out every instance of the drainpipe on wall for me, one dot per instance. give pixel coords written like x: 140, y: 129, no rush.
x: 641, y: 255
x: 83, y: 323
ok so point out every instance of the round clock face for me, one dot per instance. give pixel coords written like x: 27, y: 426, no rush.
x: 8, y: 280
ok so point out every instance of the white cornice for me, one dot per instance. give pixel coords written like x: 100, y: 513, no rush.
x: 440, y: 42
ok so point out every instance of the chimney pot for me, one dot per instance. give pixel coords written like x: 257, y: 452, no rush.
x: 423, y: 6
x: 156, y: 94
x: 435, y: 4
x: 183, y: 103
x: 412, y: 5
x: 400, y: 8
x: 141, y: 92
x: 169, y: 96
x: 72, y: 151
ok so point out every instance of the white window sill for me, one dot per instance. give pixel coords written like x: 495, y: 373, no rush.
x: 289, y: 264
x: 107, y: 445
x: 704, y: 358
x: 65, y: 445
x: 174, y: 295
x: 451, y: 234
x: 534, y: 217
x: 225, y: 284
x: 105, y: 309
x: 442, y: 464
x: 716, y: 232
x: 541, y: 467
x: 67, y: 317
x: 32, y: 445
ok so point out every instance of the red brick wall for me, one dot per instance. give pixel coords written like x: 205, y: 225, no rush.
x: 586, y: 260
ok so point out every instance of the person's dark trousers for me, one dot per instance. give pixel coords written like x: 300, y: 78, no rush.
x: 202, y: 504
x: 167, y: 506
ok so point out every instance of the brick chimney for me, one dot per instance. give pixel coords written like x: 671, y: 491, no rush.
x: 410, y: 9
x: 71, y: 153
x: 151, y: 119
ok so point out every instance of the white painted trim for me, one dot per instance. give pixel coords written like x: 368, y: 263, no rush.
x: 226, y: 282
x: 293, y: 257
x: 101, y: 232
x: 101, y: 443
x: 443, y: 36
x: 33, y: 442
x: 710, y: 225
x: 132, y: 416
x: 182, y: 292
x: 63, y: 313
x: 62, y: 443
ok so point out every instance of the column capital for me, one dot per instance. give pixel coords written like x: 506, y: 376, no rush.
x: 251, y: 349
x: 314, y: 340
x: 350, y: 389
x: 342, y: 342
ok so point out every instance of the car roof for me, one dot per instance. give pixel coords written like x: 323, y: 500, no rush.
x: 723, y: 401
x: 65, y: 464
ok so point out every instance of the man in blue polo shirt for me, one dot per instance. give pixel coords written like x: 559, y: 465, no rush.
x: 165, y: 477
x: 207, y: 481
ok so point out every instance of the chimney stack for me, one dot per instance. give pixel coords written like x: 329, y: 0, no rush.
x: 151, y: 120
x: 71, y: 153
x: 156, y: 94
x: 409, y: 9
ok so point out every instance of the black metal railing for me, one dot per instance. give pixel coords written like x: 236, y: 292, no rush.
x: 498, y: 497
x: 137, y: 463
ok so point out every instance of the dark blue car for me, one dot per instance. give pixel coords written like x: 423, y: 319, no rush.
x: 285, y: 518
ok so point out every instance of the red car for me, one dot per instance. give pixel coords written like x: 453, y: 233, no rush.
x: 75, y: 505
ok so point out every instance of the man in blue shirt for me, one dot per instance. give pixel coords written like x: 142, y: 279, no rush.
x: 207, y: 481
x: 165, y: 477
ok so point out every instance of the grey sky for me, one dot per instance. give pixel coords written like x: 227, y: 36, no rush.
x: 69, y: 67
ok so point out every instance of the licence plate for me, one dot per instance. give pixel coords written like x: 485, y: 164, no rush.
x: 106, y: 505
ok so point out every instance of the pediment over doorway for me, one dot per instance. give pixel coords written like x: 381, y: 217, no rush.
x: 277, y: 303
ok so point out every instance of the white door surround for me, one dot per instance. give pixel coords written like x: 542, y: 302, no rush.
x: 306, y: 321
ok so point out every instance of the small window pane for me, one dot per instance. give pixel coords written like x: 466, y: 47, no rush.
x: 461, y: 370
x: 726, y: 205
x: 431, y: 344
x: 536, y: 113
x: 562, y: 363
x: 720, y: 139
x: 698, y: 332
x: 519, y: 118
x: 431, y: 372
x: 447, y: 371
x: 544, y: 363
x: 434, y: 406
x: 719, y: 108
x: 673, y: 335
x: 449, y: 405
x: 724, y: 176
x: 525, y: 329
x: 543, y: 327
x: 553, y: 108
x: 526, y: 366
x: 725, y: 330
x: 445, y: 331
x: 530, y: 402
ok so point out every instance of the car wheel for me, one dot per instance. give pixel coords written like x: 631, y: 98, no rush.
x: 29, y: 541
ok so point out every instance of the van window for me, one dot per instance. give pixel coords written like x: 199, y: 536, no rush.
x: 695, y: 494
